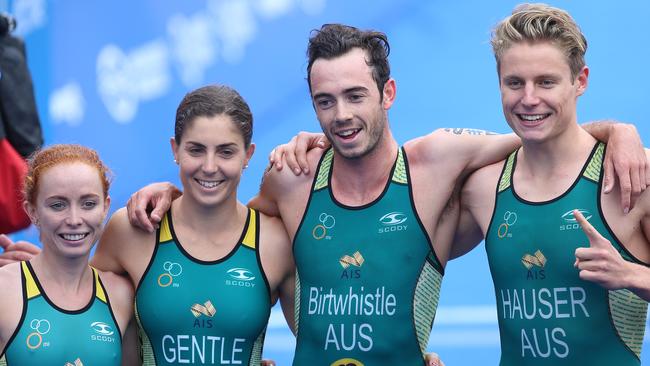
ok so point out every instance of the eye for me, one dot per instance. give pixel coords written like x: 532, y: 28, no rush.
x: 195, y: 150
x: 227, y: 153
x: 57, y: 205
x: 547, y: 83
x: 514, y: 84
x: 324, y: 103
x: 356, y: 97
x: 89, y: 204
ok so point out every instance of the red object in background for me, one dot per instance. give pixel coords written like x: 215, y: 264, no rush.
x: 12, y: 172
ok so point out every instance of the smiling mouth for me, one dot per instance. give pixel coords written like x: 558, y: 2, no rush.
x: 348, y: 134
x: 209, y: 184
x: 532, y: 119
x: 74, y: 237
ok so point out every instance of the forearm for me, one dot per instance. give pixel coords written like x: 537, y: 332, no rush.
x: 639, y: 280
x: 478, y: 148
x: 603, y: 130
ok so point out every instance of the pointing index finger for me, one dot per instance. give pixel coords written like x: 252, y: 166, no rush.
x: 592, y: 234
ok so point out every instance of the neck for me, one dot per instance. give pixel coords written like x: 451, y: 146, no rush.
x: 555, y: 155
x: 361, y: 180
x: 209, y: 219
x: 66, y: 273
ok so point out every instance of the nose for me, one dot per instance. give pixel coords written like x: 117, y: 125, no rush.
x: 74, y: 216
x: 530, y: 97
x: 343, y: 112
x: 210, y: 165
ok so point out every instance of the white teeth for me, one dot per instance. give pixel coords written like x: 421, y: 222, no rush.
x: 346, y: 133
x: 208, y: 184
x: 532, y: 117
x: 73, y: 237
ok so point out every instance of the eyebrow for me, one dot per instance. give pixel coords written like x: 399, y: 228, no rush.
x: 85, y: 196
x: 345, y: 91
x: 227, y: 144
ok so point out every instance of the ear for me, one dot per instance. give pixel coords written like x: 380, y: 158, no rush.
x: 174, y: 146
x: 31, y: 212
x: 249, y: 154
x: 107, y: 205
x: 582, y: 80
x: 389, y: 93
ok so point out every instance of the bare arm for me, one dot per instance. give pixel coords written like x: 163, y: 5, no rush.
x: 159, y: 197
x: 477, y: 148
x: 467, y: 236
x: 122, y: 248
x: 16, y: 251
x: 287, y: 300
x: 265, y: 200
x: 130, y: 354
x: 625, y: 159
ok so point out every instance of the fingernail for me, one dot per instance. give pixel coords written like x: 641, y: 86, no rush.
x: 306, y: 171
x: 626, y: 210
x: 297, y: 171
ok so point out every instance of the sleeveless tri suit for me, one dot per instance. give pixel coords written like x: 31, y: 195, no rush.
x: 199, y: 312
x: 547, y: 314
x: 49, y: 335
x: 367, y: 278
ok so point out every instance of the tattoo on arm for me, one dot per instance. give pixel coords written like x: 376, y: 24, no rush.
x: 469, y: 131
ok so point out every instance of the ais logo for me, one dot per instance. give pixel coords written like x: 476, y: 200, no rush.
x: 570, y: 222
x: 392, y: 221
x: 77, y: 362
x: 348, y: 263
x: 535, y: 265
x: 207, y: 309
x: 347, y: 362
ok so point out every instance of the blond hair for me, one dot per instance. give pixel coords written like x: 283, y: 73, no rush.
x: 533, y: 23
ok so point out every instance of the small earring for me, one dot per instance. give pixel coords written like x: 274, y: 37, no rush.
x: 175, y: 161
x: 245, y: 166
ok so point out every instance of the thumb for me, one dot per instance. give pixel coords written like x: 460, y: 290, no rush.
x: 608, y: 179
x: 5, y: 242
x: 595, y: 239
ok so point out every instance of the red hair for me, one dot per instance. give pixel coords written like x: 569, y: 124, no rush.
x: 55, y: 155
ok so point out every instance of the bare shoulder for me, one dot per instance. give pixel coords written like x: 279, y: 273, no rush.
x: 275, y: 250
x: 9, y: 277
x: 121, y: 238
x: 119, y: 287
x: 11, y: 304
x: 120, y: 292
x: 285, y: 179
x: 482, y: 182
x: 488, y: 172
x: 428, y: 148
x: 273, y: 234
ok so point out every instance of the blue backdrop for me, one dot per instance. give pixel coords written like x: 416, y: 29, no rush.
x: 110, y: 75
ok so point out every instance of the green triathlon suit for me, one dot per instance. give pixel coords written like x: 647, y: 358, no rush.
x: 203, y: 312
x: 547, y: 314
x: 367, y: 277
x: 49, y: 335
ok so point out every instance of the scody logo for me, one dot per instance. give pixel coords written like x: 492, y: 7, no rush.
x: 104, y: 332
x: 570, y: 222
x: 241, y: 277
x: 391, y: 222
x: 102, y: 328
